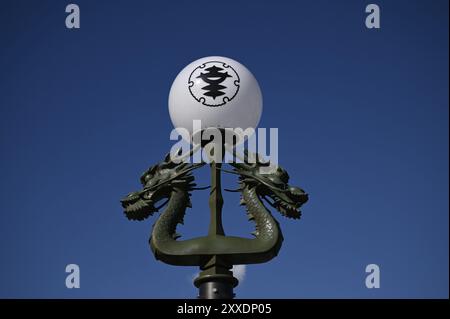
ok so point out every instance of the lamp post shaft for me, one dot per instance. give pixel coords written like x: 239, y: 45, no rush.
x: 216, y: 201
x: 216, y: 281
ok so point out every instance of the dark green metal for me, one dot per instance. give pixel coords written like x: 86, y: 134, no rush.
x: 216, y: 281
x: 216, y: 201
x: 215, y: 253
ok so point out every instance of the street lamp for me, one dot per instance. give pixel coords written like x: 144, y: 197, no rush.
x: 219, y: 91
x: 223, y: 95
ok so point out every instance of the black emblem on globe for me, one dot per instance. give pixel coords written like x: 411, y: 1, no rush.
x: 214, y: 77
x: 214, y: 83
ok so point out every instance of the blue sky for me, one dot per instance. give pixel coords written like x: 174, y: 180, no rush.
x: 363, y: 127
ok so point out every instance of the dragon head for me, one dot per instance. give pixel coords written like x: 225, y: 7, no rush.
x: 272, y: 186
x: 158, y: 183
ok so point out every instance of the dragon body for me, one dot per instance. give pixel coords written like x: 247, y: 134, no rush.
x: 173, y: 183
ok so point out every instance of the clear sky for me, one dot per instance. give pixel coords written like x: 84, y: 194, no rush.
x: 363, y: 127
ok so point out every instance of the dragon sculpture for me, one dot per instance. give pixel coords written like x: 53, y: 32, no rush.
x: 172, y: 183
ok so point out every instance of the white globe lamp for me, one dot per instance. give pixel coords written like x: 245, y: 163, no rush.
x: 218, y: 91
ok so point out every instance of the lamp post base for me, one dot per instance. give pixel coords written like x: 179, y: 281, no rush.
x: 215, y: 290
x: 216, y: 285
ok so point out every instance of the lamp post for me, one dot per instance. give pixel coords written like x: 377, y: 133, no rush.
x: 222, y: 93
x: 216, y: 281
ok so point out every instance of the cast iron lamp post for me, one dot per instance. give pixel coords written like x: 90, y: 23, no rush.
x: 221, y: 93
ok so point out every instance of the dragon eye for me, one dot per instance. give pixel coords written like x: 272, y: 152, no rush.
x: 147, y: 195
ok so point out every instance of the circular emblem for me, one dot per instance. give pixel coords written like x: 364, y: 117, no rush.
x: 214, y: 83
